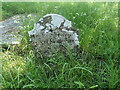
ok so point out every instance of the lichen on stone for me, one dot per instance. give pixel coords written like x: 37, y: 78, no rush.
x: 51, y: 33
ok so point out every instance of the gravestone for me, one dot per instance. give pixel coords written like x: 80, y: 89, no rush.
x: 52, y: 33
x: 10, y: 28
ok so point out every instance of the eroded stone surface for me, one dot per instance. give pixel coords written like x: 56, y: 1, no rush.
x: 51, y: 33
x: 10, y: 28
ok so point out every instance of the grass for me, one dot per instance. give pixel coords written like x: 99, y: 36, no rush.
x: 95, y: 66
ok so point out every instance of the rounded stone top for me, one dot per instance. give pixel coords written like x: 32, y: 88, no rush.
x: 56, y: 20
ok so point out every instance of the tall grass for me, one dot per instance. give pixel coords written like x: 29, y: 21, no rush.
x: 95, y: 66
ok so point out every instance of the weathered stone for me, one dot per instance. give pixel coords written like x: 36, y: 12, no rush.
x: 52, y: 33
x: 10, y: 28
